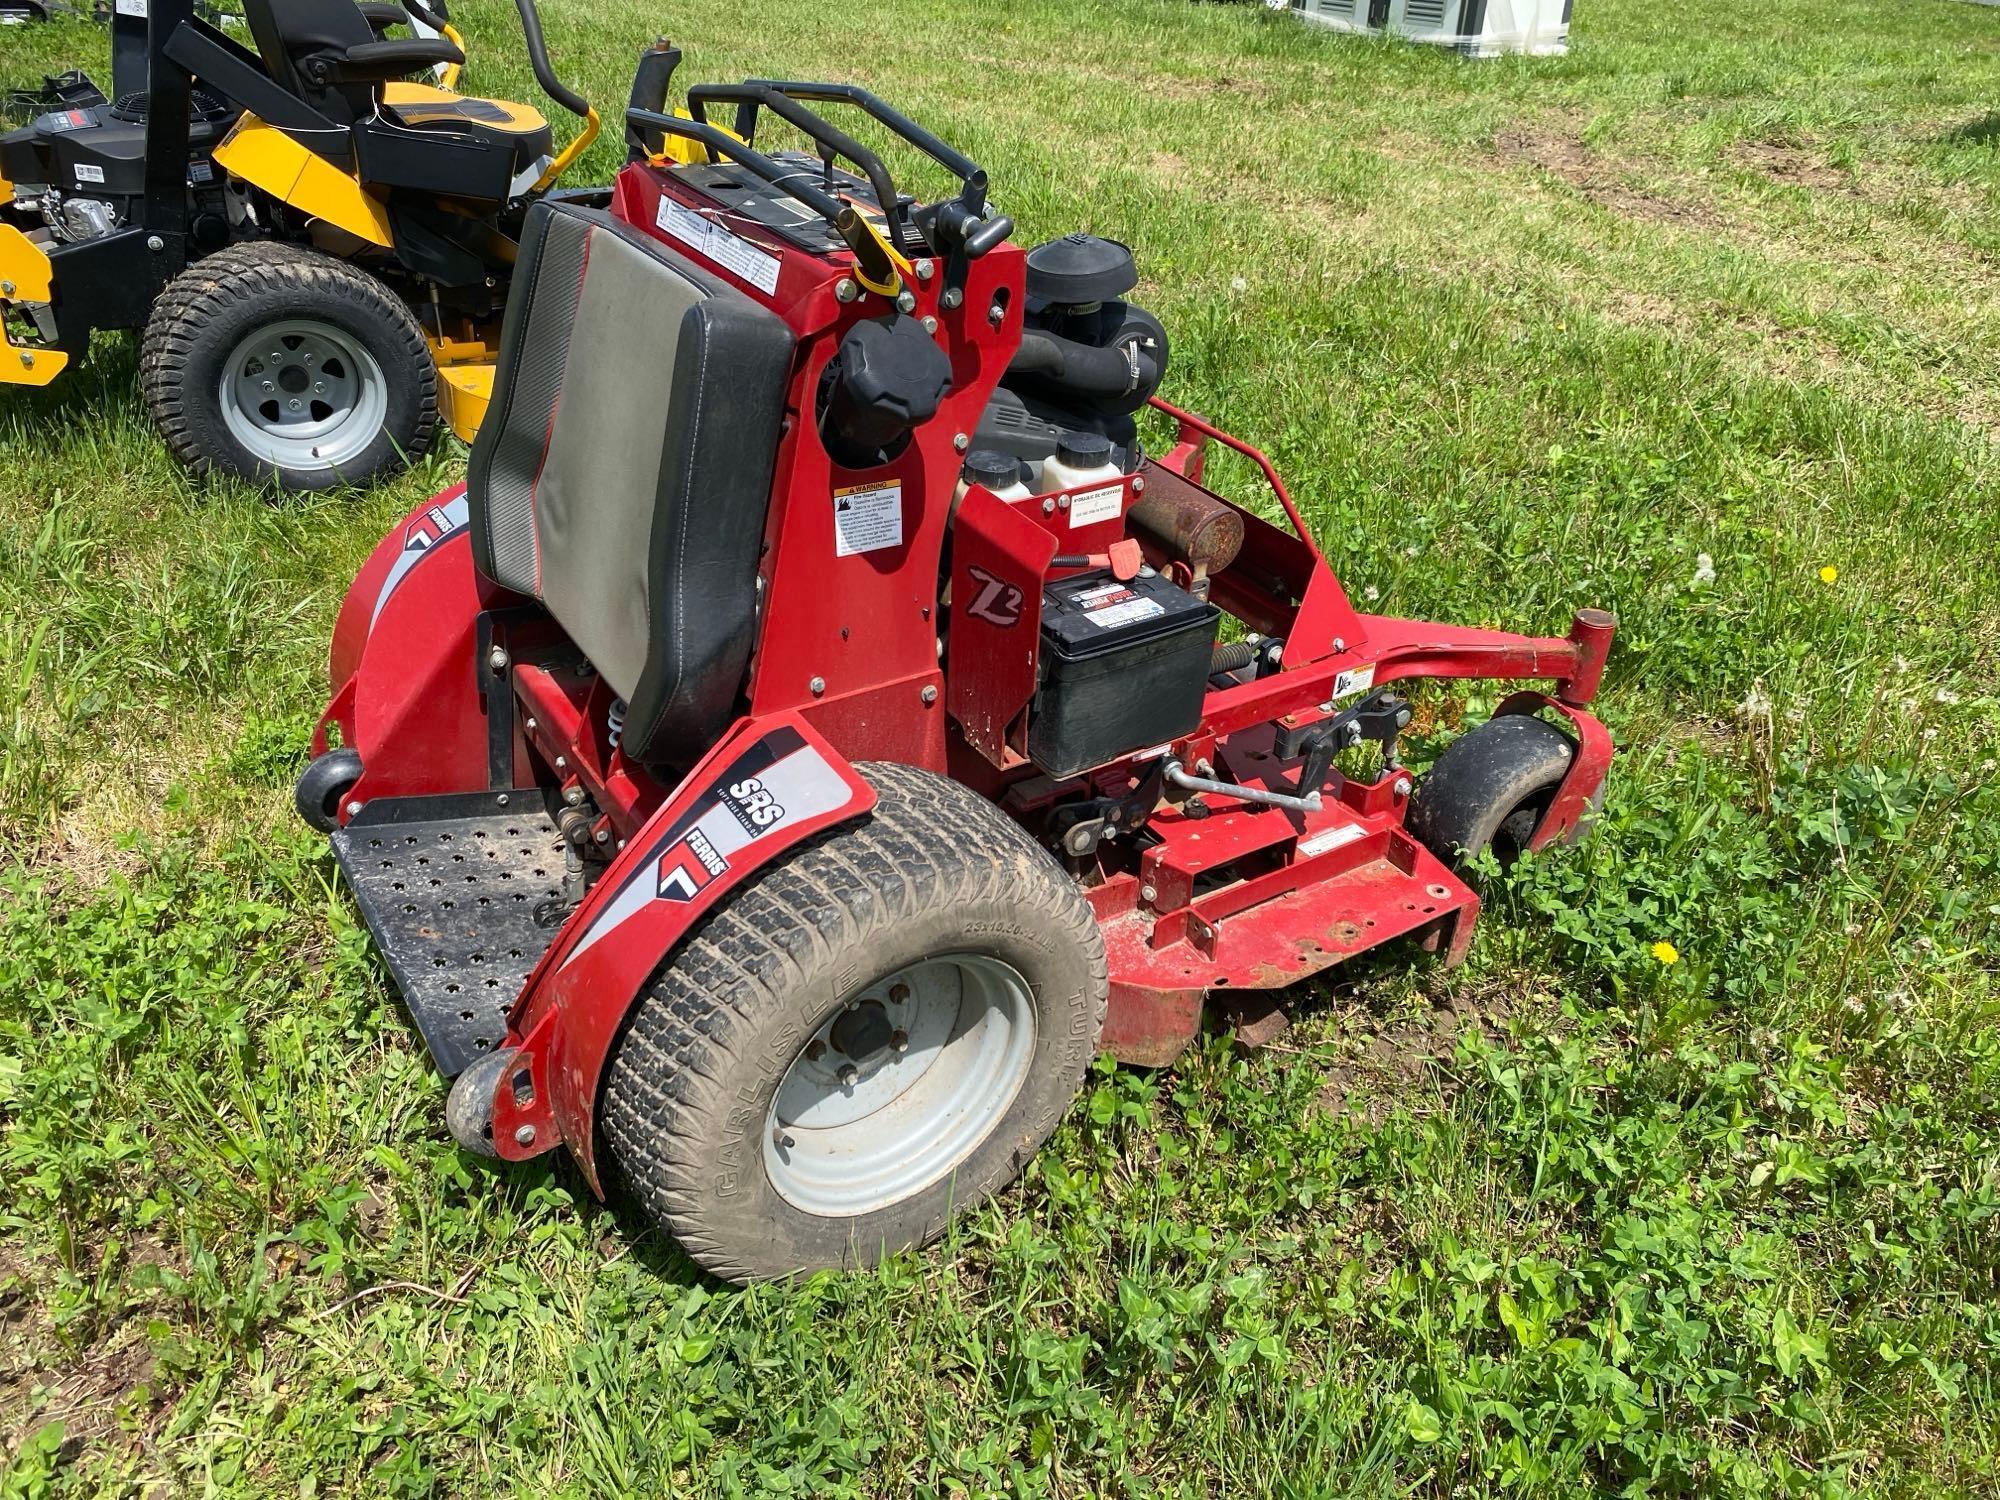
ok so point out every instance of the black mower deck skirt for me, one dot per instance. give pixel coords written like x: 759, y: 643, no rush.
x: 450, y: 888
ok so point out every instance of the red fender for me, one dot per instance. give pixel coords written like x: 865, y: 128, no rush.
x: 1576, y: 798
x: 770, y: 783
x: 405, y: 695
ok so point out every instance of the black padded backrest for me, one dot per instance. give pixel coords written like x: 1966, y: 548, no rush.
x: 287, y: 30
x: 623, y: 472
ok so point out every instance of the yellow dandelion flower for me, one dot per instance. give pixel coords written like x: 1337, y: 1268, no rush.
x: 1829, y: 574
x: 1666, y: 952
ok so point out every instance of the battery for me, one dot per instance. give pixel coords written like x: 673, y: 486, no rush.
x: 1124, y: 666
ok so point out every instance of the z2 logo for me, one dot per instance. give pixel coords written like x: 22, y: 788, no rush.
x: 994, y: 600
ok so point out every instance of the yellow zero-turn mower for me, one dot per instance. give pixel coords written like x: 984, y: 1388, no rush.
x: 315, y: 248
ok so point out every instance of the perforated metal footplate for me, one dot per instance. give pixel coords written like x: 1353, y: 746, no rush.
x: 451, y: 888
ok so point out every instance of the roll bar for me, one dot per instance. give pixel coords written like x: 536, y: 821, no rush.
x: 958, y: 229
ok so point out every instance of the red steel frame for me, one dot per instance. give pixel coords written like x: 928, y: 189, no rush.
x: 1227, y: 894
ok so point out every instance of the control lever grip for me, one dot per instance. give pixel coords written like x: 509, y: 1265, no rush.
x: 989, y: 235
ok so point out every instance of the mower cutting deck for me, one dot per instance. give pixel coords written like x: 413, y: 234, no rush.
x: 805, y: 741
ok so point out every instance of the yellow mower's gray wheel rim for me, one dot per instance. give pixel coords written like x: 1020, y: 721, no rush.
x: 303, y: 395
x: 900, y: 1085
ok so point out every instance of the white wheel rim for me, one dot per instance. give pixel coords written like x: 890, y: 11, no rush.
x: 303, y: 395
x: 841, y: 1143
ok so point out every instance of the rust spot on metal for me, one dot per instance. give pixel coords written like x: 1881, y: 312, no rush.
x: 1188, y: 523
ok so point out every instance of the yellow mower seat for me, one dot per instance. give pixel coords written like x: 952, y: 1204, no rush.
x: 420, y: 107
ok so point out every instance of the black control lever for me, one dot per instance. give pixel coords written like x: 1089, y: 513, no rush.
x: 649, y: 92
x: 988, y: 236
x: 959, y: 231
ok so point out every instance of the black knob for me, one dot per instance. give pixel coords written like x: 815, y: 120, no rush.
x: 1083, y: 450
x: 889, y: 378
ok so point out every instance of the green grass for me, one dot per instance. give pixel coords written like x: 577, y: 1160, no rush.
x: 1722, y: 284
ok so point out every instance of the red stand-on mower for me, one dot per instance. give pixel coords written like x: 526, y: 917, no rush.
x: 804, y: 742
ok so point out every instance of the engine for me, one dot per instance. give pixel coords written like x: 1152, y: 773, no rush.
x: 1088, y: 359
x: 79, y: 172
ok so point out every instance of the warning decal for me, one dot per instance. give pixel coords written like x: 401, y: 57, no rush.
x: 1355, y: 680
x: 867, y: 518
x: 723, y: 246
x: 1331, y: 838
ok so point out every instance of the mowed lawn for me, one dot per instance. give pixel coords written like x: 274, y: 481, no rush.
x: 1701, y: 323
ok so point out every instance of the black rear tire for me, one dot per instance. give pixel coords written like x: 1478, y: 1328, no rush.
x: 205, y: 314
x: 1491, y: 787
x: 689, y: 1092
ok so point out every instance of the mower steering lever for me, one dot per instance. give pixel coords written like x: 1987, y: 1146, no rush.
x: 538, y: 59
x: 749, y: 97
x: 722, y: 143
x: 952, y: 160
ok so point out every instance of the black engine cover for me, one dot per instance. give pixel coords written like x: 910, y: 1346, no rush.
x: 100, y: 152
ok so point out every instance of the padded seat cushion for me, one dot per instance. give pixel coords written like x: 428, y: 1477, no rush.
x: 623, y: 473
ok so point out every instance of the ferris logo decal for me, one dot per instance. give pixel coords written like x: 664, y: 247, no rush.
x: 430, y: 528
x: 996, y: 601
x: 752, y: 803
x: 686, y: 868
x: 423, y: 533
x: 775, y: 783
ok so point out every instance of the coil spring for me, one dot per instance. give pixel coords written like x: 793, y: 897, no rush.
x: 614, y: 722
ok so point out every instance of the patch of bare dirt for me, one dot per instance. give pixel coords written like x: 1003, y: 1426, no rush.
x: 1563, y: 155
x: 1793, y: 165
x: 103, y: 1392
x: 1385, y: 1062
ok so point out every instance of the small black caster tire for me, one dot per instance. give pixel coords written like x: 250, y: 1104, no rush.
x: 278, y: 365
x: 324, y: 785
x: 863, y: 1042
x: 1490, y: 789
x: 468, y: 1108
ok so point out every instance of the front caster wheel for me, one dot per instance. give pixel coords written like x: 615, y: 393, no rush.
x: 324, y: 784
x: 865, y: 1041
x: 1491, y: 789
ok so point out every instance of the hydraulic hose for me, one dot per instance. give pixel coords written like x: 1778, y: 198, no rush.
x: 1084, y: 369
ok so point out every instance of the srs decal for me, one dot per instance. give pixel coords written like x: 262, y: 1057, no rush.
x: 778, y: 781
x: 422, y: 535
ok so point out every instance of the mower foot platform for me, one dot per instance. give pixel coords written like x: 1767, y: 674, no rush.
x: 462, y: 895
